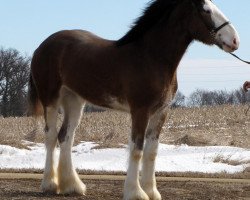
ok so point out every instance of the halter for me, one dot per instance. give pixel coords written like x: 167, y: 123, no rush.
x: 215, y: 30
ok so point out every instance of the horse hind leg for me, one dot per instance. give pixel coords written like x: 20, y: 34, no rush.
x: 49, y: 182
x: 68, y: 179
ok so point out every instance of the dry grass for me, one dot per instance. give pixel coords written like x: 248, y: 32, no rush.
x: 228, y: 160
x: 223, y: 125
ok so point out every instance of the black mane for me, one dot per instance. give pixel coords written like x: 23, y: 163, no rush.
x: 151, y: 16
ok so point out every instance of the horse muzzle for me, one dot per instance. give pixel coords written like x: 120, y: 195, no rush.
x: 227, y: 38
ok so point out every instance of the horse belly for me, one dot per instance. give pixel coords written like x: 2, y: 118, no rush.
x: 114, y: 103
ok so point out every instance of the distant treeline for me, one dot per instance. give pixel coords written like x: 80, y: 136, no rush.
x: 14, y: 78
x: 211, y: 98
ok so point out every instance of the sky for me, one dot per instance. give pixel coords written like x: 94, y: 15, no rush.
x: 24, y: 24
x: 170, y: 158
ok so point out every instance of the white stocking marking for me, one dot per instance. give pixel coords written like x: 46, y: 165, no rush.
x: 68, y: 180
x: 132, y: 188
x: 148, y: 180
x: 49, y: 183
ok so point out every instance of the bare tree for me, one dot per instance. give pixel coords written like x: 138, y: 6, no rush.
x: 179, y: 100
x: 14, y: 75
x: 241, y: 96
x: 195, y: 98
x: 220, y: 97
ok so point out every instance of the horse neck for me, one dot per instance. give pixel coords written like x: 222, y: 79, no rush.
x: 168, y: 41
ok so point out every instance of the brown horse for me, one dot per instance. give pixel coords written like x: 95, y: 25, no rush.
x: 136, y: 74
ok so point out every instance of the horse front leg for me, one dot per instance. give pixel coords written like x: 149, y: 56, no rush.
x: 148, y: 180
x: 132, y: 188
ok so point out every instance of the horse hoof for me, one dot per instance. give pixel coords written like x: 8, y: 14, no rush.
x: 49, y: 187
x: 72, y: 187
x: 136, y: 195
x: 154, y: 194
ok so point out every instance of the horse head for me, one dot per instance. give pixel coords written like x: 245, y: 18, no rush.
x: 209, y: 25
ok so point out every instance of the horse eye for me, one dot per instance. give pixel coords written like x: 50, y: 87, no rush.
x: 207, y: 12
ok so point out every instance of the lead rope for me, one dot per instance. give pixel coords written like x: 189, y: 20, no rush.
x: 247, y: 62
x: 213, y: 32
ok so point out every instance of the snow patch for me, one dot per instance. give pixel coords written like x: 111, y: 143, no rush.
x: 170, y: 158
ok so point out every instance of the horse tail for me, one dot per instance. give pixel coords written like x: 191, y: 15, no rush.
x: 35, y: 106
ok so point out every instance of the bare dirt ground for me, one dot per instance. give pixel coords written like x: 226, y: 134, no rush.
x: 28, y: 189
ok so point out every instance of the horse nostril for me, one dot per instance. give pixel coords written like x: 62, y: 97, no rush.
x: 235, y: 41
